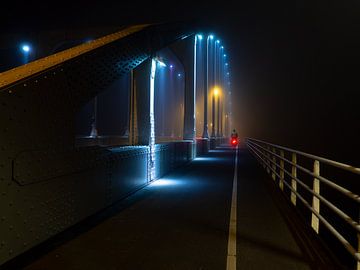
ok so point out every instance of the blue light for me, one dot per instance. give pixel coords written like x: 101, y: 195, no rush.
x: 151, y: 161
x: 222, y: 47
x: 211, y: 36
x: 226, y: 64
x: 165, y: 182
x: 224, y: 55
x: 161, y: 64
x: 25, y: 48
x: 228, y: 73
x: 218, y: 41
x: 207, y: 159
x: 179, y: 74
x: 200, y: 37
x: 171, y: 66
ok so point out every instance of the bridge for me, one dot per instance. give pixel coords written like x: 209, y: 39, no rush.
x: 115, y: 154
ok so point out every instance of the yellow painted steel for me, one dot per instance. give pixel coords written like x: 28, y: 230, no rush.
x: 16, y: 74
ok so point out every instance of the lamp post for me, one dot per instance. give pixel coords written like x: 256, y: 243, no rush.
x: 215, y: 94
x: 218, y: 116
x: 205, y: 134
x: 26, y: 50
x: 216, y: 63
x: 221, y: 82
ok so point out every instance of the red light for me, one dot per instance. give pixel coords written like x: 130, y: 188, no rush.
x: 234, y: 142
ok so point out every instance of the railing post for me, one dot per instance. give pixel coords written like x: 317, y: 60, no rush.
x: 268, y: 160
x: 293, y: 181
x: 282, y: 173
x: 315, y: 200
x: 263, y: 156
x: 273, y: 165
x: 358, y: 250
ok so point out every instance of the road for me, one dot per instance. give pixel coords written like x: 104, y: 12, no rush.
x: 182, y: 222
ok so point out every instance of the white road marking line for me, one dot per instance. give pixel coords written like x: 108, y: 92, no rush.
x: 231, y: 254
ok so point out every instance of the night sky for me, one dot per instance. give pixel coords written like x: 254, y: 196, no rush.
x: 295, y: 64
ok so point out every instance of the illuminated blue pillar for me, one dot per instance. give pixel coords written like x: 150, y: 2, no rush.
x: 190, y: 80
x: 152, y: 120
x: 184, y: 50
x: 141, y: 85
x: 144, y: 126
x: 206, y: 88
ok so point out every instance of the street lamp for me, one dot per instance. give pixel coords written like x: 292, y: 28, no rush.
x: 215, y: 94
x: 26, y: 50
x: 218, y: 116
x: 216, y: 63
x: 221, y: 67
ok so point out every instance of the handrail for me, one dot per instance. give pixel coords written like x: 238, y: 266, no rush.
x: 330, y: 183
x: 343, y: 215
x: 323, y: 160
x: 275, y: 164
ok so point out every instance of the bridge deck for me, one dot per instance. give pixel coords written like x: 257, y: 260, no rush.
x: 182, y: 222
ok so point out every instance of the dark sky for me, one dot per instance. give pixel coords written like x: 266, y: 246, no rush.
x: 295, y: 64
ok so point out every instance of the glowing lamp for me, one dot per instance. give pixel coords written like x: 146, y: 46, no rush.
x: 25, y: 48
x: 234, y: 141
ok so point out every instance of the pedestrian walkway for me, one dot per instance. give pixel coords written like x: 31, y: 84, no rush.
x: 182, y: 222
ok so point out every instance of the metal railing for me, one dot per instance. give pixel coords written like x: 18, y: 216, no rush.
x: 274, y: 160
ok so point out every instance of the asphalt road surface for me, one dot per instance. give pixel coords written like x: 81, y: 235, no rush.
x: 182, y: 222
